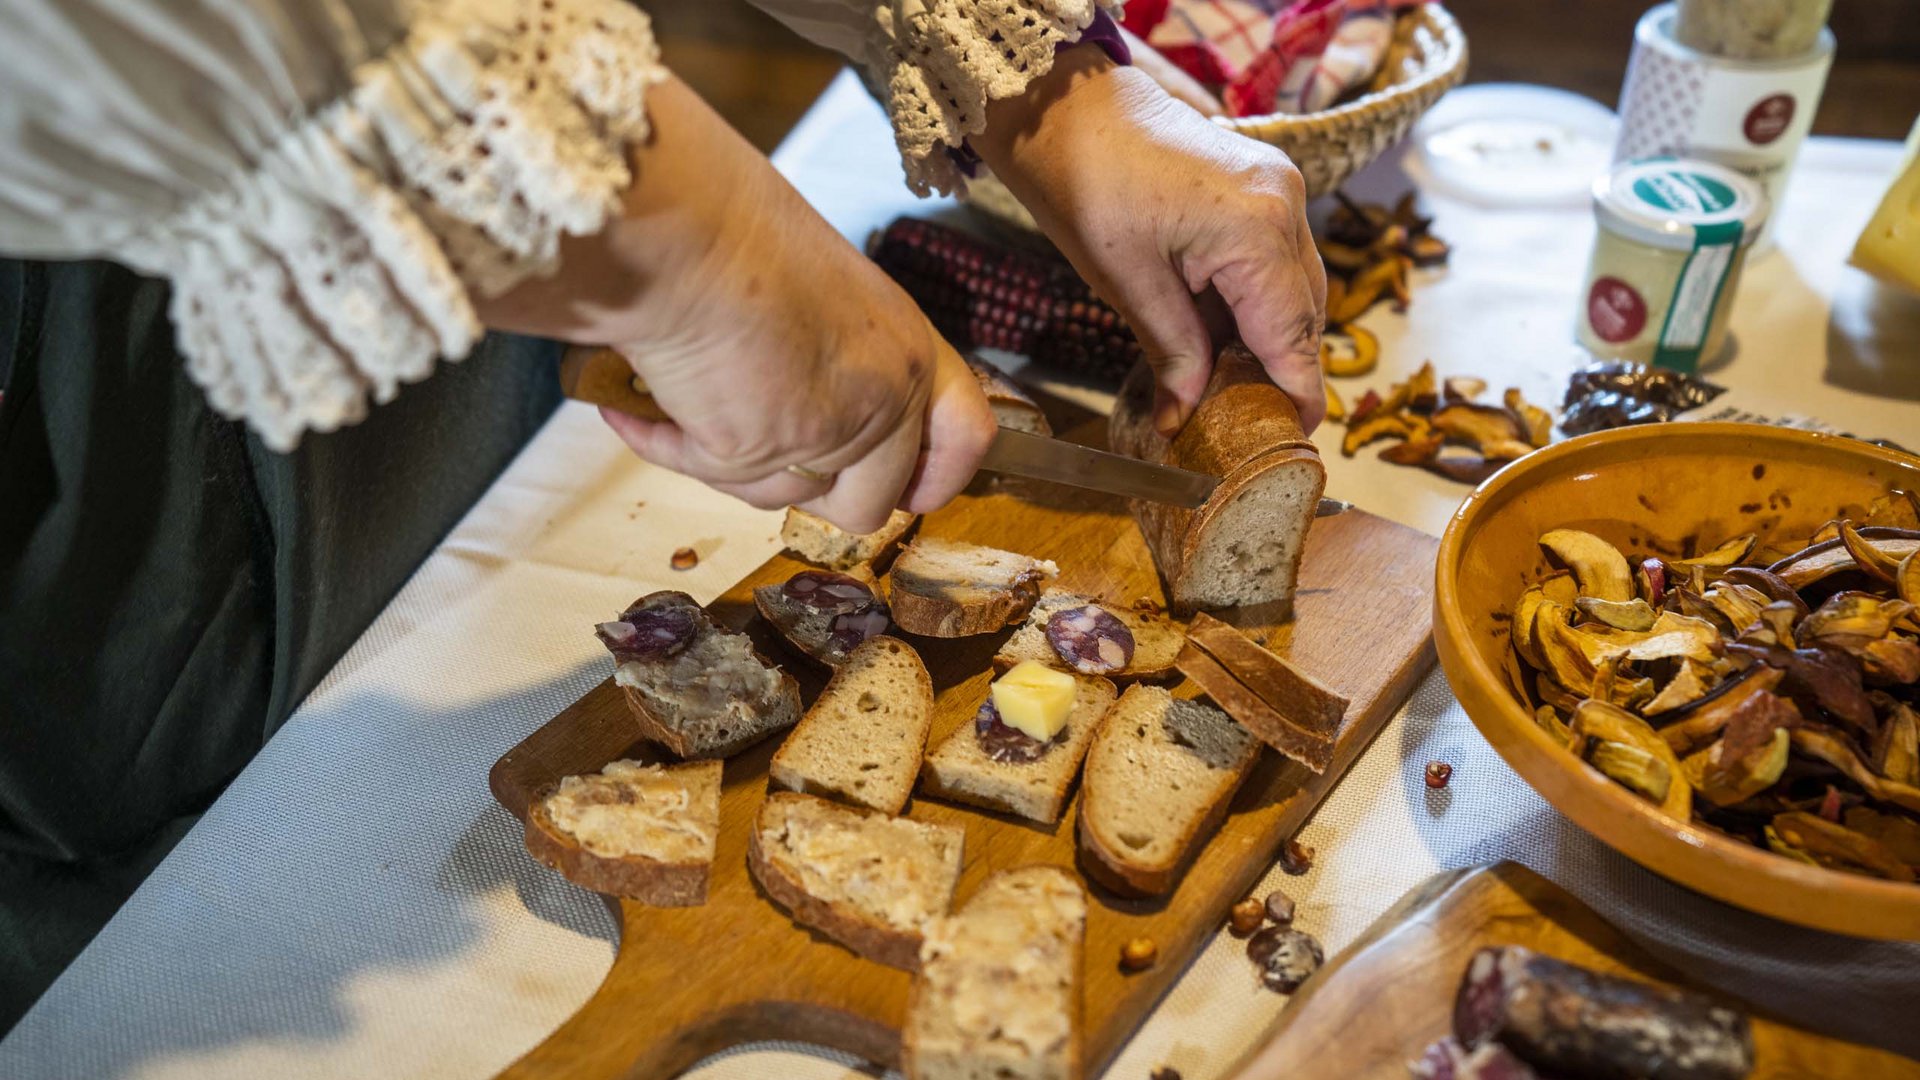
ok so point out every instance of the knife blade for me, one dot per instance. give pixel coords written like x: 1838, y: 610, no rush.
x: 1020, y: 453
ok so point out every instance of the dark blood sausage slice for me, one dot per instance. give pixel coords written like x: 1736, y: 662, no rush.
x: 824, y: 590
x: 851, y: 628
x: 1448, y: 1060
x: 1010, y: 745
x: 1090, y: 639
x: 1568, y: 1021
x: 647, y: 633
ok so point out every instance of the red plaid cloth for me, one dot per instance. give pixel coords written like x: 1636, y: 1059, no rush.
x: 1261, y: 55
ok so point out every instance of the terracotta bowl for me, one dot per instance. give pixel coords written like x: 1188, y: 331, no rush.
x: 1667, y: 483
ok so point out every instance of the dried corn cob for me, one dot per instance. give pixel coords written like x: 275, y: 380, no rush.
x: 979, y: 294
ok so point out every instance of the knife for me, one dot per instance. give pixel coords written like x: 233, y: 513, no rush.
x: 1018, y: 453
x: 603, y: 377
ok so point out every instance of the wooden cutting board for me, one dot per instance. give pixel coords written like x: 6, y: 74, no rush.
x: 690, y: 981
x: 1390, y: 994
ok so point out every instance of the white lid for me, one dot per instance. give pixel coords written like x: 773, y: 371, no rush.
x: 1666, y: 202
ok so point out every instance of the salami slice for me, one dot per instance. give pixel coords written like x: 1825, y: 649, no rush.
x: 1008, y: 744
x: 826, y: 591
x: 1570, y: 1021
x: 1090, y: 639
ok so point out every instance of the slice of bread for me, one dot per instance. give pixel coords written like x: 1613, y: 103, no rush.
x: 866, y: 880
x: 1285, y: 707
x: 863, y: 739
x: 645, y: 832
x: 1159, y: 777
x: 1243, y: 546
x: 812, y: 538
x: 944, y: 588
x: 960, y: 769
x: 1156, y: 638
x: 707, y: 692
x: 998, y: 995
x: 822, y: 633
x: 1012, y: 407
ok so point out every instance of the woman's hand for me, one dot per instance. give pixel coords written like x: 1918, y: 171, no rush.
x: 796, y: 372
x: 1156, y: 206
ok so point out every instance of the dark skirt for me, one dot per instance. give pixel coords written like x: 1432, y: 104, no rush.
x: 170, y: 590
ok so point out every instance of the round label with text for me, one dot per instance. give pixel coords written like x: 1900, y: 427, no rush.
x: 1768, y: 119
x: 1616, y: 310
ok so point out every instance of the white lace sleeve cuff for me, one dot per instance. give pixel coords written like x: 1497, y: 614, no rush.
x: 341, y: 266
x: 939, y: 62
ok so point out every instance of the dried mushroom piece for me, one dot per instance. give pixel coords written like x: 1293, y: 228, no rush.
x: 1900, y: 834
x: 1752, y: 753
x: 1600, y: 722
x: 1728, y: 553
x: 1635, y: 769
x: 1685, y: 687
x: 1598, y: 566
x: 1908, y: 580
x: 1867, y: 556
x: 1896, y: 750
x: 1816, y: 840
x: 1768, y: 584
x: 1689, y: 728
x: 1896, y: 510
x: 1635, y: 614
x: 1820, y: 561
x: 1829, y: 746
x: 1534, y: 420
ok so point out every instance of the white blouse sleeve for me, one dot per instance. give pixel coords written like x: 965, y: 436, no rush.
x: 935, y: 64
x: 326, y: 183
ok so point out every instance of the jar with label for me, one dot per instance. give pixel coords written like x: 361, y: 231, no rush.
x: 1673, y: 236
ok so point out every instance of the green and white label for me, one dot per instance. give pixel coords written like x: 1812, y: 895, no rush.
x: 1697, y: 294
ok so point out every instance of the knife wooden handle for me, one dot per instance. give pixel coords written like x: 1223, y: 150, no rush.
x: 601, y: 376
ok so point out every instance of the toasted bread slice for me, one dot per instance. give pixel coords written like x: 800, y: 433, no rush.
x: 1012, y: 406
x: 869, y: 881
x: 998, y: 995
x: 961, y: 769
x: 825, y: 632
x: 696, y: 687
x: 1156, y: 638
x: 1159, y: 777
x: 1285, y: 707
x: 944, y: 588
x: 863, y: 739
x: 812, y: 538
x: 645, y: 832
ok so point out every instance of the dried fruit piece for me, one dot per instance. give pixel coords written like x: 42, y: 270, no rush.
x: 1534, y: 420
x: 1380, y: 425
x: 1596, y: 564
x: 1463, y: 468
x: 1413, y: 451
x: 1895, y: 510
x: 1684, y: 688
x: 1336, y: 409
x: 1479, y: 425
x: 1752, y: 753
x: 1896, y: 750
x: 1633, y: 768
x: 1726, y: 554
x: 1866, y: 556
x: 1438, y: 773
x: 1461, y: 388
x: 1604, y: 723
x: 685, y: 558
x: 1821, y: 842
x: 1908, y: 579
x: 1823, y: 560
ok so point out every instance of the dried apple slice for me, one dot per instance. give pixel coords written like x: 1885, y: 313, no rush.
x: 1686, y: 687
x: 1690, y: 727
x: 1567, y: 662
x: 1634, y: 769
x: 1752, y: 751
x: 1598, y: 565
x: 1524, y: 611
x: 1827, y: 745
x: 1896, y: 509
x: 1896, y: 750
x: 1635, y: 614
x: 1829, y: 531
x: 1477, y: 425
x: 1381, y: 424
x: 1908, y: 580
x: 1561, y: 588
x: 1766, y: 583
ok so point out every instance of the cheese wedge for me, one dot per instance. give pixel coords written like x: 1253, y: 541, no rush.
x: 1889, y: 247
x: 1034, y: 699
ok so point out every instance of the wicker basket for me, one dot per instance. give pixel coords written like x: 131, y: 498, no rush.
x: 1428, y: 57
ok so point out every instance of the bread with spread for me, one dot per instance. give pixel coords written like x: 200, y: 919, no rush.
x: 863, y: 739
x: 824, y: 614
x: 1078, y: 633
x: 1243, y: 546
x: 694, y: 686
x: 1158, y: 780
x: 998, y: 996
x: 945, y: 588
x: 645, y: 832
x: 990, y: 763
x: 812, y: 538
x: 867, y: 880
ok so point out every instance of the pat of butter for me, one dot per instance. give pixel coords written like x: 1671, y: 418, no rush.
x: 1034, y: 699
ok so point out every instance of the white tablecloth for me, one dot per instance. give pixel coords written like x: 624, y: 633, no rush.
x: 356, y: 905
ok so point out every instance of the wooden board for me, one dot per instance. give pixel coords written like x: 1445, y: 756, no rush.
x: 690, y: 981
x: 1407, y: 967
